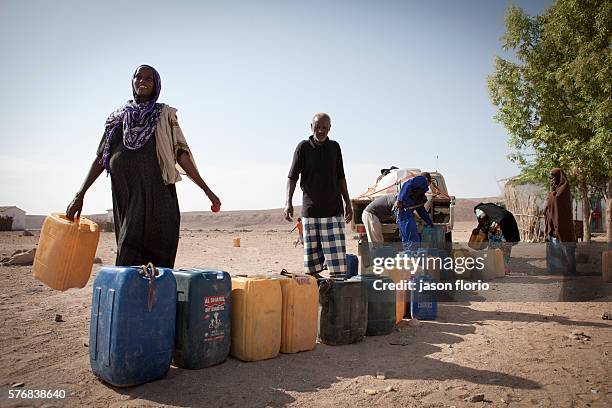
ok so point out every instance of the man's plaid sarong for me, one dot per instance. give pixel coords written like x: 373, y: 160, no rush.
x: 324, y: 243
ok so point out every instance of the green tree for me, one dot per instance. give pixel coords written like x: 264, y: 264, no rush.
x: 554, y: 96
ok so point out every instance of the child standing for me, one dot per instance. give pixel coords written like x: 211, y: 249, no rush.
x: 300, y: 230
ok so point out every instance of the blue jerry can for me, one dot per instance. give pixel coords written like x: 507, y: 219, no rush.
x: 423, y: 305
x: 131, y: 332
x: 352, y: 265
x: 203, y: 317
x: 433, y: 237
x: 560, y: 258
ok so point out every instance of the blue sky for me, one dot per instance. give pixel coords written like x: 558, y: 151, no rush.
x: 404, y: 83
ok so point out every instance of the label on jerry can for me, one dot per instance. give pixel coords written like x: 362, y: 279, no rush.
x: 213, y: 306
x: 302, y: 280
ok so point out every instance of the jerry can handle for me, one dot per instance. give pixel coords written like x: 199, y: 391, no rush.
x: 150, y: 273
x: 76, y: 220
x: 325, y: 287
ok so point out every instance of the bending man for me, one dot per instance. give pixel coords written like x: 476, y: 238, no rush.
x: 412, y: 197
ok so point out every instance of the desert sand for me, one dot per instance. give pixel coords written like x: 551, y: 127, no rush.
x: 514, y: 353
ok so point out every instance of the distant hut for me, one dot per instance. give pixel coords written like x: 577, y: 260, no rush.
x: 12, y: 219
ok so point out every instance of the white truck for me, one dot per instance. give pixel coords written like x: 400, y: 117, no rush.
x: 439, y: 206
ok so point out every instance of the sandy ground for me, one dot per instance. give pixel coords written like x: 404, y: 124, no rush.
x: 516, y: 354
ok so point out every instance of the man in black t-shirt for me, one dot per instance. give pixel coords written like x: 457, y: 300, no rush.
x: 317, y: 162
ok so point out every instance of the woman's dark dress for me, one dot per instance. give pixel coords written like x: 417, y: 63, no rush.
x: 145, y: 210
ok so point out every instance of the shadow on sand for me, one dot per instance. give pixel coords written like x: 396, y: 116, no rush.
x: 269, y: 383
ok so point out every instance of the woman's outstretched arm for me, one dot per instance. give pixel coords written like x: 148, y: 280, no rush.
x: 184, y: 161
x: 76, y: 205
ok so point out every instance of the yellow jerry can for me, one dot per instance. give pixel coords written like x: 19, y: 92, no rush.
x: 300, y: 313
x: 257, y: 304
x: 493, y: 264
x: 65, y: 253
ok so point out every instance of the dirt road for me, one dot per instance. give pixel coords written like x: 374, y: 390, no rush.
x: 516, y: 354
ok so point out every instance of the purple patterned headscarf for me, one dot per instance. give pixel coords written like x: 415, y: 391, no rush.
x: 138, y: 120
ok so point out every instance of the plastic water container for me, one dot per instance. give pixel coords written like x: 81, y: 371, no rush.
x: 131, y: 331
x: 459, y: 256
x: 402, y: 297
x: 439, y: 268
x: 433, y: 237
x: 419, y: 253
x: 433, y: 266
x: 379, y: 253
x: 493, y: 260
x: 203, y: 317
x: 257, y: 305
x: 65, y: 253
x: 560, y: 258
x: 352, y: 265
x: 300, y: 313
x: 419, y: 258
x: 381, y: 304
x: 343, y: 311
x: 423, y: 305
x: 383, y: 251
x: 447, y: 273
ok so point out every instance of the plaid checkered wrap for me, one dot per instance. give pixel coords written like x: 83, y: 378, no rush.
x: 324, y: 243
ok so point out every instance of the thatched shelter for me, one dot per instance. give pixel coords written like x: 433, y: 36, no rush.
x: 526, y: 202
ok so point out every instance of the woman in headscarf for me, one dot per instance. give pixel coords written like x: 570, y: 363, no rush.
x: 500, y: 228
x: 558, y: 210
x: 559, y: 226
x: 143, y: 149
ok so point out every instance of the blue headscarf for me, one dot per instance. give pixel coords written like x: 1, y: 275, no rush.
x: 138, y: 120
